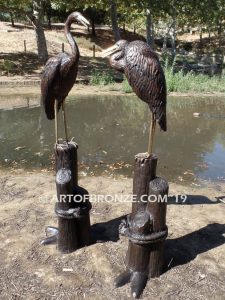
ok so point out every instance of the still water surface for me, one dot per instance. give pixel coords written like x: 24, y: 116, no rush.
x: 111, y: 130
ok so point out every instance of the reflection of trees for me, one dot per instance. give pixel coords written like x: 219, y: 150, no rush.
x: 113, y: 129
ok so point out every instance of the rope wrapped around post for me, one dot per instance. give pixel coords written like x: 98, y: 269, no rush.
x: 145, y: 226
x: 73, y: 206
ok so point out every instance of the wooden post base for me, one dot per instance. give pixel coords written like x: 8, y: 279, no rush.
x: 145, y: 226
x: 72, y: 207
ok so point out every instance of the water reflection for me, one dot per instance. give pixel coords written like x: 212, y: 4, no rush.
x: 111, y: 130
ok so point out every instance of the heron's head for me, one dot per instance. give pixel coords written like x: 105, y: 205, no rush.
x: 118, y: 48
x: 79, y: 18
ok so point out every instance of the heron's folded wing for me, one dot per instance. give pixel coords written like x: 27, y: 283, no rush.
x: 147, y: 79
x: 48, y: 81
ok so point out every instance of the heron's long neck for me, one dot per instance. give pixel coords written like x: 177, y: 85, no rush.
x: 72, y: 42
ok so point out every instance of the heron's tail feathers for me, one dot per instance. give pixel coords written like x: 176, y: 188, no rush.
x: 50, y: 109
x: 162, y: 122
x: 49, y: 106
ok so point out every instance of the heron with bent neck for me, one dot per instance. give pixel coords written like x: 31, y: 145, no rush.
x: 60, y: 74
x: 142, y: 68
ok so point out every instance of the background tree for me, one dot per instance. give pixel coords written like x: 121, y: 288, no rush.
x: 33, y: 10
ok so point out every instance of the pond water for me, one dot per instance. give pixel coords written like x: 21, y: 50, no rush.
x: 111, y: 130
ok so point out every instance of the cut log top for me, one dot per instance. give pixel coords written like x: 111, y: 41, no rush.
x: 63, y: 146
x: 141, y: 157
x: 63, y: 176
x: 66, y: 161
x: 158, y: 186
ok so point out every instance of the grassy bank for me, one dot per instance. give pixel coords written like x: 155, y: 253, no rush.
x: 176, y: 81
x: 102, y: 79
x: 191, y: 82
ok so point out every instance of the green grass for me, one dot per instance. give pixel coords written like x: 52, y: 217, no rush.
x: 177, y: 81
x: 102, y: 77
x: 126, y: 88
x: 191, y: 82
x: 7, y: 66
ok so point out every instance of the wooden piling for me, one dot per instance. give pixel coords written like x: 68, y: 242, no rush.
x: 158, y: 189
x: 63, y: 47
x: 94, y: 50
x: 145, y: 226
x: 73, y: 216
x: 25, y: 46
x: 72, y: 207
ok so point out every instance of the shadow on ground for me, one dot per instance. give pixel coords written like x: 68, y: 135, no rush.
x: 106, y: 231
x: 192, y: 200
x: 18, y: 63
x: 178, y: 251
x: 182, y: 250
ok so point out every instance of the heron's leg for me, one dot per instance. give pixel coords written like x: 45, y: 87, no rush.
x: 56, y: 121
x: 151, y: 134
x: 64, y: 120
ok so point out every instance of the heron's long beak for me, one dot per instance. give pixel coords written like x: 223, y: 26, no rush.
x: 109, y: 51
x: 84, y: 21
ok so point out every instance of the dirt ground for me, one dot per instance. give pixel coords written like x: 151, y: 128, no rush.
x: 195, y: 265
x: 24, y: 66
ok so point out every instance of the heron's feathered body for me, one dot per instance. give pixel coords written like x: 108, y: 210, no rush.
x: 60, y: 72
x: 142, y: 68
x: 58, y: 79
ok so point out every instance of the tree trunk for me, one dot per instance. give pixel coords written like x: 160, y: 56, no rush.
x: 39, y: 31
x: 49, y: 22
x: 41, y: 41
x: 149, y: 26
x: 12, y: 20
x: 164, y: 42
x: 174, y: 34
x: 220, y: 33
x: 209, y: 32
x: 200, y: 36
x: 48, y: 12
x: 93, y: 32
x: 115, y: 27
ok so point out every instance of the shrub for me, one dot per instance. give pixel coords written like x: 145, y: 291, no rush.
x: 8, y: 66
x: 191, y: 82
x: 102, y: 78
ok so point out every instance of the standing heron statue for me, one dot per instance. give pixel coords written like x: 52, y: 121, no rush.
x: 142, y: 68
x: 60, y: 74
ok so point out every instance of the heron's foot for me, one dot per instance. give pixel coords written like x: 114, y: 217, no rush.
x: 138, y: 281
x: 52, y: 236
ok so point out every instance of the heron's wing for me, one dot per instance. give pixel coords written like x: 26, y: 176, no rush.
x: 48, y: 80
x: 147, y: 79
x: 65, y: 65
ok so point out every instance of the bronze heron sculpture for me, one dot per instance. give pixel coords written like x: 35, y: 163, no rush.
x: 60, y: 74
x: 142, y: 68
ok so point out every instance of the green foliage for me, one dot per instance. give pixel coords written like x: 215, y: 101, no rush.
x: 126, y: 88
x: 7, y: 66
x: 191, y: 82
x: 102, y: 78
